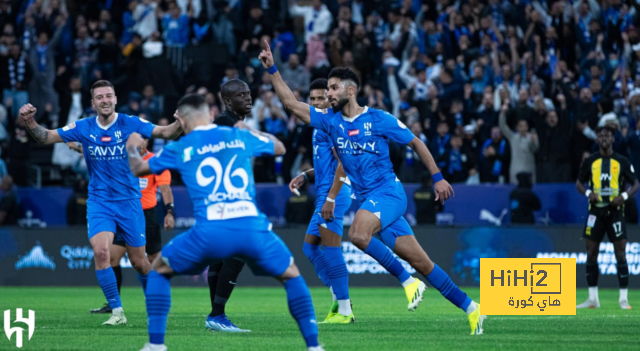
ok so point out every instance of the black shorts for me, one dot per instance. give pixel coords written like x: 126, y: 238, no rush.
x: 152, y: 232
x: 607, y: 221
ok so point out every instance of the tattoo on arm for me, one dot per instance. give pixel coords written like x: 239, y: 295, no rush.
x: 39, y: 133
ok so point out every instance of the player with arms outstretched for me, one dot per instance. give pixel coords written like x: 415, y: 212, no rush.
x: 361, y: 138
x: 333, y: 199
x: 608, y: 174
x: 215, y: 164
x: 113, y: 207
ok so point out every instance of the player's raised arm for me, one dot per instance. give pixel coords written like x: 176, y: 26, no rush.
x: 278, y: 146
x: 39, y: 133
x: 139, y: 167
x: 289, y: 101
x: 172, y: 131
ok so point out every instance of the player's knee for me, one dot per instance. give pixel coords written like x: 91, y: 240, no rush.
x: 359, y: 239
x: 140, y: 263
x: 101, y: 255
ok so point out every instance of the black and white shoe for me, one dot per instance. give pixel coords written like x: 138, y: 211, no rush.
x: 103, y: 309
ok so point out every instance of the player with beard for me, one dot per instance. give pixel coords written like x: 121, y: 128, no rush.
x: 113, y: 206
x: 608, y: 174
x: 361, y: 137
x: 222, y: 277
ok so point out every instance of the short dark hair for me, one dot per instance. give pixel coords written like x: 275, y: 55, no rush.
x: 192, y: 100
x: 605, y: 128
x: 101, y: 84
x: 232, y: 86
x: 345, y: 73
x: 319, y: 83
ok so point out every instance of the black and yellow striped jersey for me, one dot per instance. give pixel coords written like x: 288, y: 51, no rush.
x: 608, y: 177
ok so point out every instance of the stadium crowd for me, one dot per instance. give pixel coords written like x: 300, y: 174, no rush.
x: 494, y: 88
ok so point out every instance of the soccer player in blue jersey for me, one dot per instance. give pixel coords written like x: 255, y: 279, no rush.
x: 333, y: 199
x: 113, y: 207
x: 361, y: 137
x: 215, y: 164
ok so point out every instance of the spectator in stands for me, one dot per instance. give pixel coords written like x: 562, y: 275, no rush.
x: 495, y: 158
x: 9, y: 205
x: 293, y: 73
x: 317, y: 18
x: 457, y: 164
x: 523, y: 201
x: 108, y: 56
x: 440, y: 144
x: 271, y: 115
x: 42, y: 56
x: 150, y: 103
x: 523, y: 144
x: 144, y: 15
x: 554, y: 161
x: 425, y: 200
x: 175, y: 26
x: 16, y: 73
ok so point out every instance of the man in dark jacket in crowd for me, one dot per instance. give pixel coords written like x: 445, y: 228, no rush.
x: 523, y: 201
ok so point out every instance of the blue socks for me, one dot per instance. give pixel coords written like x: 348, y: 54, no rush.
x: 300, y: 307
x: 337, y: 272
x: 381, y: 253
x: 109, y: 285
x: 158, y: 305
x: 316, y: 256
x: 143, y: 281
x: 441, y: 281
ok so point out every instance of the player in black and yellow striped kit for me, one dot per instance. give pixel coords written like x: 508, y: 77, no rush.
x: 609, y: 175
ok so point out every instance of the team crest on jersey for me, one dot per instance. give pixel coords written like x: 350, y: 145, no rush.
x: 105, y: 139
x: 118, y: 135
x: 354, y: 132
x: 322, y: 110
x: 367, y: 129
x: 69, y: 127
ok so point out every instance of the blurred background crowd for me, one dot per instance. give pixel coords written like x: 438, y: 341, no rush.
x: 494, y: 88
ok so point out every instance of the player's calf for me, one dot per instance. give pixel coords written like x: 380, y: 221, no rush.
x: 300, y: 304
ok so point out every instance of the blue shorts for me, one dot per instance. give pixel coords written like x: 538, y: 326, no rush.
x: 123, y: 218
x: 343, y: 202
x: 389, y: 203
x: 192, y: 251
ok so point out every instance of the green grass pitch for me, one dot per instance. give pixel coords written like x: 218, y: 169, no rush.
x: 63, y: 322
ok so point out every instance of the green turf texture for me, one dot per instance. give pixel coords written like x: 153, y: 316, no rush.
x: 63, y: 322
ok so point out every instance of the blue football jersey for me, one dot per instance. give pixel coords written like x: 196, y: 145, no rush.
x: 362, y: 144
x: 324, y: 163
x: 215, y: 164
x: 110, y: 178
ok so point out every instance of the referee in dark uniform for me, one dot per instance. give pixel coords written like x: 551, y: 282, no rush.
x: 222, y: 277
x: 608, y: 174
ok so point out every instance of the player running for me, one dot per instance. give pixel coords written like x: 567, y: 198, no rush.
x: 215, y: 164
x: 149, y: 186
x: 333, y: 199
x: 608, y: 174
x: 113, y: 207
x: 222, y: 277
x: 360, y: 136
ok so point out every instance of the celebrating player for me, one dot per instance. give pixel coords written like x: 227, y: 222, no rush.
x: 215, y: 164
x: 148, y: 186
x: 608, y: 174
x: 332, y: 200
x: 360, y: 136
x: 113, y: 207
x: 223, y: 276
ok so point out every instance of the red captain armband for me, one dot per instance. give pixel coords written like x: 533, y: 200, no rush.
x: 437, y: 177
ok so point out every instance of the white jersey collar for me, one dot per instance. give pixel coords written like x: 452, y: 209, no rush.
x: 351, y: 119
x: 207, y: 127
x: 108, y: 125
